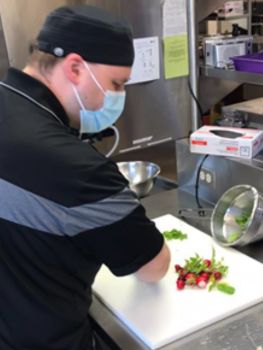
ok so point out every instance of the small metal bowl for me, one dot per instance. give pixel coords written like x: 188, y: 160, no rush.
x: 140, y: 174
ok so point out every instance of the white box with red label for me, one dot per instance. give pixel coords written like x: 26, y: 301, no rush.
x: 227, y: 141
x: 232, y: 8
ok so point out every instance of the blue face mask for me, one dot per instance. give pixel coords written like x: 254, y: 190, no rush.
x: 96, y: 121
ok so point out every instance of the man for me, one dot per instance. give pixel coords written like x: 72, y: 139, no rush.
x: 65, y: 208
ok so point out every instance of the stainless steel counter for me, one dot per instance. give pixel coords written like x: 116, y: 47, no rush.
x: 243, y: 331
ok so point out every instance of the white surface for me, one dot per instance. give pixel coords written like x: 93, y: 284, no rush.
x: 159, y: 313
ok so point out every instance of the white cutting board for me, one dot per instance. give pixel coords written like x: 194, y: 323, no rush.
x: 159, y: 313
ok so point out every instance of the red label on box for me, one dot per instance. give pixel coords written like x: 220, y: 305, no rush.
x: 247, y: 137
x: 200, y: 143
x: 232, y: 149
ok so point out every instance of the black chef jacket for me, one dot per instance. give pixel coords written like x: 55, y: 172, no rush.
x: 64, y: 210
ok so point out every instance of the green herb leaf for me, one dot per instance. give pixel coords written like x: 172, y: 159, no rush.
x: 174, y: 234
x: 225, y: 288
x: 242, y: 220
x: 213, y: 258
x: 195, y: 264
x: 233, y: 236
x: 212, y: 283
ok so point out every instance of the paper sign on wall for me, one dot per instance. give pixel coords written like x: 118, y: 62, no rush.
x: 176, y: 56
x: 175, y: 39
x: 146, y: 65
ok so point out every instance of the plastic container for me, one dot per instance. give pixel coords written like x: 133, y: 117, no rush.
x: 252, y: 63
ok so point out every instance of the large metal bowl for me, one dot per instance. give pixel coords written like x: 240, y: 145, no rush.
x: 237, y: 217
x: 140, y: 174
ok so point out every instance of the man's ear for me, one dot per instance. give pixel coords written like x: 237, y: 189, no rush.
x: 72, y: 66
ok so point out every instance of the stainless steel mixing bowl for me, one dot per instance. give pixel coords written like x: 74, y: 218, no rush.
x: 140, y: 174
x: 237, y: 216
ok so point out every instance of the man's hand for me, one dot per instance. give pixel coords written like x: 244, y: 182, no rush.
x: 155, y: 269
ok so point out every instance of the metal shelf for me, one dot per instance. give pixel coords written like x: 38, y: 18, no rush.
x: 231, y: 74
x: 215, y: 84
x: 232, y: 18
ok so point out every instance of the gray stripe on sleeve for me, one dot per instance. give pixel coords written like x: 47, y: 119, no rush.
x: 28, y: 209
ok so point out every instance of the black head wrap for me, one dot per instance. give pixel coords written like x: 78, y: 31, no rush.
x: 96, y: 35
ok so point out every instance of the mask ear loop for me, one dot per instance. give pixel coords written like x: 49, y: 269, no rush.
x: 94, y: 78
x: 78, y: 97
x: 79, y: 101
x: 117, y: 140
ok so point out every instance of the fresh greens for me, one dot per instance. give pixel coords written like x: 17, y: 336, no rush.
x: 196, y: 264
x: 233, y: 236
x: 225, y: 288
x: 174, y: 234
x: 242, y: 220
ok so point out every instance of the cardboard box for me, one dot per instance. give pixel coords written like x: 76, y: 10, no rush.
x: 212, y: 27
x: 227, y: 141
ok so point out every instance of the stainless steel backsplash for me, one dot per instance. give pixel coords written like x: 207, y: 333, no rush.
x: 225, y: 172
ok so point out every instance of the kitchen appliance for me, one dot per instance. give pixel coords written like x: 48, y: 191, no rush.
x: 158, y: 313
x: 219, y: 50
x: 237, y: 217
x: 140, y: 174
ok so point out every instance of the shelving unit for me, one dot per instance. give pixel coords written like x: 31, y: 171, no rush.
x: 232, y: 19
x: 233, y: 75
x: 257, y: 29
x: 213, y: 86
x: 214, y: 83
x: 223, y: 24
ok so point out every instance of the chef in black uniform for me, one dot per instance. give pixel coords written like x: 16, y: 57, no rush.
x: 65, y: 208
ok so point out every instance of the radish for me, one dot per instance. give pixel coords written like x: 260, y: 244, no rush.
x: 201, y: 281
x: 180, y: 283
x: 177, y: 267
x: 182, y: 273
x: 202, y: 273
x: 217, y: 275
x: 205, y: 275
x: 190, y: 279
x: 207, y: 262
